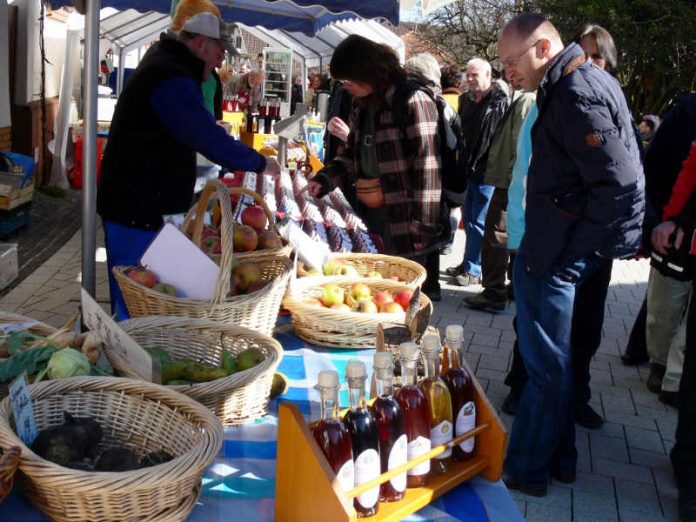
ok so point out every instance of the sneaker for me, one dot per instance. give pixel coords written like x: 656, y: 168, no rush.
x: 654, y: 382
x: 630, y: 359
x: 669, y: 398
x: 511, y: 483
x: 481, y: 302
x: 454, y: 270
x: 510, y: 403
x: 586, y: 417
x: 466, y: 279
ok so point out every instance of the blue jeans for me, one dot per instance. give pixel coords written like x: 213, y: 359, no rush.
x: 124, y: 247
x: 543, y: 434
x: 478, y: 195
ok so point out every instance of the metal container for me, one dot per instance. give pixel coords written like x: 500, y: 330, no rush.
x: 322, y: 104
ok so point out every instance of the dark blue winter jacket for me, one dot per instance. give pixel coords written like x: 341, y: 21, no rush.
x: 585, y: 188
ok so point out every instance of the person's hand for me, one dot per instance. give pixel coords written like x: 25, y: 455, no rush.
x: 337, y: 127
x: 272, y: 166
x: 661, y: 236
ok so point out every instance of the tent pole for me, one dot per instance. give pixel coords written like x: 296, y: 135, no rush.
x: 89, y: 136
x: 121, y: 71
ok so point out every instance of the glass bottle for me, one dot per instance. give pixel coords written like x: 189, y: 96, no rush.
x: 330, y: 433
x: 365, y: 439
x: 391, y: 429
x: 439, y: 401
x: 414, y: 406
x: 461, y: 389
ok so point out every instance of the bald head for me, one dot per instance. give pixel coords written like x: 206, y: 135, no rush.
x: 526, y: 46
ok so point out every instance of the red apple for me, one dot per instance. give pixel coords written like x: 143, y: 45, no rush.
x: 212, y: 245
x: 254, y: 217
x: 381, y: 298
x: 142, y: 275
x: 359, y: 291
x: 404, y: 298
x: 248, y: 274
x: 244, y: 239
x: 209, y: 231
x: 269, y: 240
x: 391, y: 308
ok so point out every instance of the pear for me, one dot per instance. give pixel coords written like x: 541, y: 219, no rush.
x: 280, y: 384
x: 249, y: 358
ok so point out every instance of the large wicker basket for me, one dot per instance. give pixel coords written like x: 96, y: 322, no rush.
x: 340, y: 329
x: 258, y: 310
x: 36, y: 327
x: 409, y: 272
x: 194, y: 221
x: 235, y: 399
x: 9, y: 460
x: 141, y: 416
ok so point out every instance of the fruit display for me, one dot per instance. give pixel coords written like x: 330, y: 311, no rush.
x: 359, y: 297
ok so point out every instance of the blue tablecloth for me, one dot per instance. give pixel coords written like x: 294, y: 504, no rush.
x: 240, y: 484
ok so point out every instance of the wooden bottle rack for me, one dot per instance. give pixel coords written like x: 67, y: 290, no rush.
x: 307, y: 488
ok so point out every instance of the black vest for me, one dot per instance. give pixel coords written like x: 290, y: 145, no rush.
x: 145, y: 171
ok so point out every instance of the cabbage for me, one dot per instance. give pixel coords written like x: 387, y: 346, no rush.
x: 68, y: 362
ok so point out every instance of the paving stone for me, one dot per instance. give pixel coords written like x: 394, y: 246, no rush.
x: 622, y: 470
x: 644, y: 439
x: 494, y: 362
x: 670, y: 505
x: 653, y: 459
x: 611, y: 429
x: 595, y: 505
x: 547, y: 513
x: 664, y: 479
x: 609, y: 448
x: 635, y: 496
x: 631, y: 420
x: 642, y: 516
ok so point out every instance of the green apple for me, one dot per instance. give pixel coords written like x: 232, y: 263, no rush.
x: 332, y: 294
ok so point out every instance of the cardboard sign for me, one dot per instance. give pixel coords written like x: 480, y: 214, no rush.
x: 118, y: 340
x: 311, y: 253
x: 177, y: 261
x: 20, y: 398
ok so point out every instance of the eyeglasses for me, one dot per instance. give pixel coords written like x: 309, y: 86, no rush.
x: 512, y: 62
x: 345, y: 82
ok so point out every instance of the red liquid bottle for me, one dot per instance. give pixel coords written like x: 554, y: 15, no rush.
x: 391, y: 428
x: 461, y: 389
x: 414, y: 406
x: 363, y: 434
x: 331, y: 435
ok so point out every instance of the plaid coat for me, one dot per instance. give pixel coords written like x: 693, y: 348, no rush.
x: 409, y: 167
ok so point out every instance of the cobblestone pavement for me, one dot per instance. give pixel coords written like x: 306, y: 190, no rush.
x: 624, y: 472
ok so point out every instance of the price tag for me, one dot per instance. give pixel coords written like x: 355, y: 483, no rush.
x: 118, y: 340
x: 311, y: 253
x: 17, y: 327
x: 20, y: 398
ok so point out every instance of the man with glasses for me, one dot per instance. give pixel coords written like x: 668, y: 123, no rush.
x: 584, y: 205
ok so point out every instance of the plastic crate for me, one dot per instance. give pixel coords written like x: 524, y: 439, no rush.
x: 9, y: 265
x: 11, y: 220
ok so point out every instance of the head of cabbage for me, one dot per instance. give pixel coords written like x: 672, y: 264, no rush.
x: 67, y: 362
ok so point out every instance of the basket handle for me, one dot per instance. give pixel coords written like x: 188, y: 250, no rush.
x: 195, y: 218
x: 257, y: 197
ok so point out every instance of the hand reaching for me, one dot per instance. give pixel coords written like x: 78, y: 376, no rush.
x: 661, y: 236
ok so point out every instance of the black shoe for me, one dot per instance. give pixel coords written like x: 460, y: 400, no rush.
x: 454, y: 270
x: 630, y: 359
x: 511, y: 483
x: 565, y: 478
x: 433, y: 295
x: 510, y: 291
x: 481, y: 302
x: 654, y: 381
x: 669, y: 398
x: 510, y: 403
x: 586, y: 417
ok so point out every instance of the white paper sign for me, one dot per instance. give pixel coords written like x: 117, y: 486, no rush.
x: 118, y: 340
x: 20, y: 398
x: 312, y: 254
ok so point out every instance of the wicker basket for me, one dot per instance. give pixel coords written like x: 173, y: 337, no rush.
x: 409, y: 272
x: 337, y: 328
x: 9, y: 460
x: 235, y: 399
x: 194, y: 221
x: 142, y: 416
x: 37, y: 328
x: 258, y: 310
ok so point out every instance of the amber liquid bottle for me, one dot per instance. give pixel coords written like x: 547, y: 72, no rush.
x: 461, y: 388
x: 390, y: 426
x: 439, y: 401
x: 365, y: 439
x: 414, y: 406
x: 330, y: 433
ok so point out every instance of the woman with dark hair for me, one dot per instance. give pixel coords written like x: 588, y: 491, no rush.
x: 598, y: 45
x: 394, y: 165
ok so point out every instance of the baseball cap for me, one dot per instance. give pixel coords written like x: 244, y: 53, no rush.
x: 207, y: 24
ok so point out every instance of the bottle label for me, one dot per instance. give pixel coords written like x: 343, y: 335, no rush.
x: 346, y: 476
x: 367, y: 467
x: 416, y: 448
x: 397, y: 457
x: 466, y: 421
x: 442, y: 434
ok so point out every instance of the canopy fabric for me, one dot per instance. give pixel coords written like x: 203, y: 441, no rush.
x: 130, y: 29
x: 304, y: 16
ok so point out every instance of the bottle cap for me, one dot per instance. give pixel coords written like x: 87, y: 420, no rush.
x: 328, y: 379
x: 431, y: 343
x: 383, y: 361
x: 408, y: 350
x: 454, y: 332
x: 355, y: 369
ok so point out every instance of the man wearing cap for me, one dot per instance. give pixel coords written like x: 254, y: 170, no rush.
x: 160, y: 122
